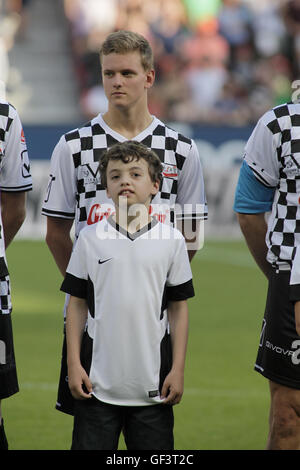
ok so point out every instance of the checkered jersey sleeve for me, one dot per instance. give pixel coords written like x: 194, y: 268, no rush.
x: 60, y: 200
x: 76, y: 278
x: 191, y: 198
x: 15, y: 173
x: 179, y: 281
x: 262, y: 149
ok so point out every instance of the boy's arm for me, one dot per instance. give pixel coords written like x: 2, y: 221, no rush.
x: 172, y: 389
x: 76, y: 319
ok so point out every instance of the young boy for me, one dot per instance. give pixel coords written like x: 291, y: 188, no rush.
x: 123, y: 272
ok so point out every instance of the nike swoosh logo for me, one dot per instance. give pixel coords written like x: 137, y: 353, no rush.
x: 104, y: 261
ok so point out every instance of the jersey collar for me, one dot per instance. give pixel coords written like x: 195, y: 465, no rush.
x: 135, y: 235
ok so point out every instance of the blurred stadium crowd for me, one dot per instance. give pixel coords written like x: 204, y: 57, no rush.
x: 13, y: 23
x: 217, y: 61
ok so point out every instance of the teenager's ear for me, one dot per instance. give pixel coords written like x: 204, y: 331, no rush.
x: 150, y: 77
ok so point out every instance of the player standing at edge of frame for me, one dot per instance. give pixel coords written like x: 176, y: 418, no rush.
x: 15, y: 180
x: 270, y: 181
x: 75, y: 190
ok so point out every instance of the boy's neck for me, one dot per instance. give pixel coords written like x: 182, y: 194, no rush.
x: 132, y: 223
x: 127, y: 123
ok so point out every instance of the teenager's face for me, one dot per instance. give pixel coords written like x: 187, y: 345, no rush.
x: 131, y: 181
x: 125, y: 81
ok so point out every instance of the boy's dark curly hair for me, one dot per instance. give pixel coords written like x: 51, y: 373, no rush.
x: 127, y: 152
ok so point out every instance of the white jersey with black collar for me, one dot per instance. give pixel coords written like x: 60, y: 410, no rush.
x: 126, y: 280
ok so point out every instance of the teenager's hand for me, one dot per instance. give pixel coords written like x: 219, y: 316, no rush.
x: 79, y: 383
x: 172, y: 389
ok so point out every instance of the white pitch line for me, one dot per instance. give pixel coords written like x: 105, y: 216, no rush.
x: 229, y: 393
x: 38, y: 386
x: 231, y: 257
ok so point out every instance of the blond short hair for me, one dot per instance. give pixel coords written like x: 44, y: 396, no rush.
x: 124, y: 42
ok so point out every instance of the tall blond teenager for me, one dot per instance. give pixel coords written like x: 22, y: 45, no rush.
x: 75, y: 190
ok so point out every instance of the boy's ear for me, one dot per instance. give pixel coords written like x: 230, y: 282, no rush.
x: 155, y: 188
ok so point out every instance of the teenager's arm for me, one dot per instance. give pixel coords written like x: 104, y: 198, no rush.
x: 76, y: 319
x: 59, y: 241
x: 192, y: 230
x: 172, y: 389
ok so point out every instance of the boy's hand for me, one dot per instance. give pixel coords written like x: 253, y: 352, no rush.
x: 172, y: 389
x: 297, y: 317
x: 78, y: 379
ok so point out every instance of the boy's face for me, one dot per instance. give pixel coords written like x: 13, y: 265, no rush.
x: 125, y: 80
x: 131, y: 181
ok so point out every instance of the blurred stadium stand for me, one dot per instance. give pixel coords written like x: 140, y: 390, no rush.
x: 41, y: 82
x: 217, y: 61
x: 220, y: 64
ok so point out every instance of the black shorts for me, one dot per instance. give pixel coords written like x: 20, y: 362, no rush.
x: 65, y: 400
x: 8, y: 372
x: 278, y: 357
x: 97, y: 426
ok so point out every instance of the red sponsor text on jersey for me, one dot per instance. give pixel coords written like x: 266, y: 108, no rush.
x: 97, y: 213
x: 159, y: 215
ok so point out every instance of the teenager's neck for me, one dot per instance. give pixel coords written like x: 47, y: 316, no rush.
x: 129, y: 124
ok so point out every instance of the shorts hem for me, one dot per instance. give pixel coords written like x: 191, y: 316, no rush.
x: 9, y: 384
x: 67, y: 411
x: 274, y: 378
x: 9, y: 393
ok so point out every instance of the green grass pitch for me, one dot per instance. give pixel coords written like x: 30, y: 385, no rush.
x: 225, y: 403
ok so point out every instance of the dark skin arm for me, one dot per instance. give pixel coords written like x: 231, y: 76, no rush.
x: 13, y: 211
x: 254, y: 229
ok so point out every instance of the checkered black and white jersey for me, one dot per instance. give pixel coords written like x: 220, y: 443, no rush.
x: 14, y: 177
x: 273, y: 154
x: 75, y: 190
